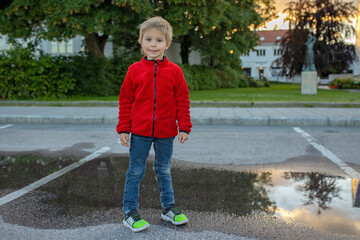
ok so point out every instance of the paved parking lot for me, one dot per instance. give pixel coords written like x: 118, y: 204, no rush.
x: 82, y: 199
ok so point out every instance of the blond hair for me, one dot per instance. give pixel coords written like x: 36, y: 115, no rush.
x: 160, y: 24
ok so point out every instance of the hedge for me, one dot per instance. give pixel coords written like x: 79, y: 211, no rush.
x: 206, y: 78
x: 345, y: 83
x: 23, y: 76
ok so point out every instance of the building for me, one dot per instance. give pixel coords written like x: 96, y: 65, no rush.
x: 259, y: 63
x: 67, y: 48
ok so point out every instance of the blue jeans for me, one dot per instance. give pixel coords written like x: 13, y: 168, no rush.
x: 139, y: 152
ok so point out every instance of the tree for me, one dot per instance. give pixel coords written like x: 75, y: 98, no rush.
x: 266, y: 9
x: 327, y: 21
x: 59, y: 20
x: 188, y: 17
x: 220, y: 30
x: 193, y: 20
x: 318, y: 188
x: 233, y: 35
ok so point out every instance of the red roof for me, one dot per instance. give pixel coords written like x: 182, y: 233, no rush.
x: 270, y: 36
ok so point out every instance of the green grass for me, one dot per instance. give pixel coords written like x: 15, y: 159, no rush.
x: 79, y: 98
x: 276, y: 93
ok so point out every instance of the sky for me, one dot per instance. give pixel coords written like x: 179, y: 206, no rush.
x: 279, y: 22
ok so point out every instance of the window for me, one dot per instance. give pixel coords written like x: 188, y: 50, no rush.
x: 261, y: 72
x: 262, y: 38
x: 260, y: 52
x: 277, y: 52
x: 278, y: 38
x: 62, y: 47
x: 247, y: 71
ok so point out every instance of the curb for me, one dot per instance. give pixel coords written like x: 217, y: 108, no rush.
x: 280, y: 121
x: 250, y: 121
x: 193, y: 104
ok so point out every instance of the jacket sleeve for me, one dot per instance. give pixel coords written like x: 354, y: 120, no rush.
x: 126, y: 99
x: 182, y: 104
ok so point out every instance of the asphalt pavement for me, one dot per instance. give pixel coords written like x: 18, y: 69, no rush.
x: 242, y: 116
x: 225, y: 226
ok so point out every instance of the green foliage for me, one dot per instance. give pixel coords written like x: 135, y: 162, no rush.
x: 345, y: 83
x: 97, y: 76
x: 22, y: 76
x: 225, y: 38
x: 200, y: 77
x: 90, y: 75
x: 208, y: 78
x: 25, y: 77
x: 221, y: 30
x: 53, y: 19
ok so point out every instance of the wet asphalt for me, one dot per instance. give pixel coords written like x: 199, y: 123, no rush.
x: 292, y: 199
x: 223, y: 204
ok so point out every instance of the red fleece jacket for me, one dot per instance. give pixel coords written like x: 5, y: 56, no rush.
x: 154, y: 100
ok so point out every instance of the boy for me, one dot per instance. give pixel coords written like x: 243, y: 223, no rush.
x: 154, y: 107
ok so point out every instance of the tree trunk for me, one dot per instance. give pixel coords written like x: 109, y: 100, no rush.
x: 96, y: 44
x: 185, y: 44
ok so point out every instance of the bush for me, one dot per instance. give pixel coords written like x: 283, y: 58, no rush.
x: 345, y: 83
x: 98, y: 77
x: 200, y: 77
x: 229, y: 77
x: 204, y: 78
x: 22, y: 76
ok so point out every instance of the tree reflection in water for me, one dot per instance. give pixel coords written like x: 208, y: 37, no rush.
x: 99, y: 185
x: 319, y: 189
x: 199, y: 189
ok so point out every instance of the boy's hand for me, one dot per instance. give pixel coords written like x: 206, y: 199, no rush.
x: 124, y: 139
x: 183, y: 137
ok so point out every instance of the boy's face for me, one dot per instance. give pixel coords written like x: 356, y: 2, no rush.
x: 154, y: 44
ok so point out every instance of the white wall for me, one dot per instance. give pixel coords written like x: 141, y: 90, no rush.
x: 256, y: 62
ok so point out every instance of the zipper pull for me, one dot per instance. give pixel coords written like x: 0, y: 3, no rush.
x: 156, y: 63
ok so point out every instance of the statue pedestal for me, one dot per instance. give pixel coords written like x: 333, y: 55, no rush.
x: 308, y: 82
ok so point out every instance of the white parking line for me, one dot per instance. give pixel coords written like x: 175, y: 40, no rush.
x: 41, y: 182
x: 6, y: 126
x: 327, y: 153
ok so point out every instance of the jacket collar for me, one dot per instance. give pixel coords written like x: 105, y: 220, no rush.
x: 162, y: 61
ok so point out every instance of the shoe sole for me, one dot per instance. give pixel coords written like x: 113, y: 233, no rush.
x: 136, y: 229
x: 166, y: 218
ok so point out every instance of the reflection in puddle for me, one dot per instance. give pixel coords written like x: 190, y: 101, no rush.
x: 314, y: 199
x: 356, y: 192
x: 99, y: 185
x: 325, y: 202
x: 22, y: 170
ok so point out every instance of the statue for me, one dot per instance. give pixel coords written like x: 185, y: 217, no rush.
x: 309, y: 64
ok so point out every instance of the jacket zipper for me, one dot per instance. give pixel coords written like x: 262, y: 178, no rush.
x: 153, y: 129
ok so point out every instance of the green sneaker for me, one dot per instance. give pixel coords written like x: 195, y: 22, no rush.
x: 135, y: 222
x: 174, y: 215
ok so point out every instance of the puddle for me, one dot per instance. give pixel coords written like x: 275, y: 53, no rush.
x: 99, y: 185
x: 322, y: 201
x: 329, y: 203
x: 19, y: 171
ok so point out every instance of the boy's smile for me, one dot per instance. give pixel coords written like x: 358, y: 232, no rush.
x: 154, y: 44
